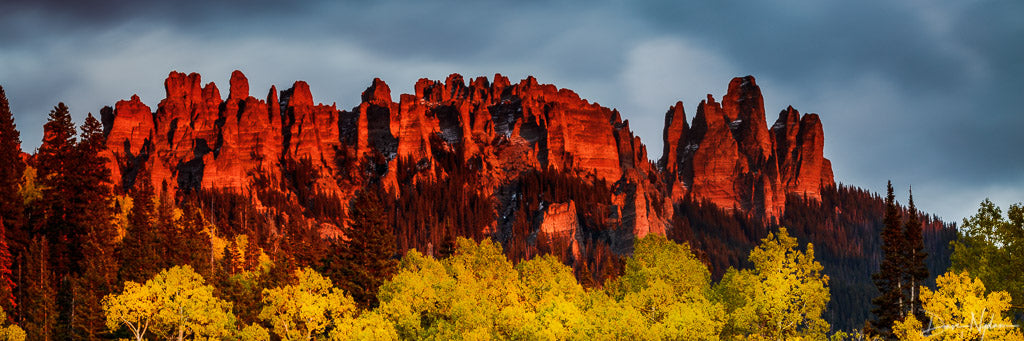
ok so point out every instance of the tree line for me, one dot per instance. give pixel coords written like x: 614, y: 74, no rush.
x: 665, y: 292
x: 478, y: 293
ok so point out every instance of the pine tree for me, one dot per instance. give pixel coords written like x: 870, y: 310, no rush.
x: 39, y: 300
x: 11, y: 169
x: 53, y: 157
x: 139, y: 247
x: 92, y: 214
x: 360, y: 264
x: 7, y: 285
x: 55, y: 163
x: 232, y: 259
x: 252, y: 255
x: 13, y: 237
x: 193, y: 245
x: 916, y: 272
x: 56, y: 159
x: 447, y: 247
x: 889, y: 305
x: 167, y: 230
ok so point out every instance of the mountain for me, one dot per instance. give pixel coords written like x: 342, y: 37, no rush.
x: 528, y: 164
x: 197, y: 140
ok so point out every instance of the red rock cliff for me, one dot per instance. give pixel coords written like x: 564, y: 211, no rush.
x: 731, y: 158
x: 728, y: 155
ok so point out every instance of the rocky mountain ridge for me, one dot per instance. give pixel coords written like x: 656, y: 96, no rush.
x: 727, y: 155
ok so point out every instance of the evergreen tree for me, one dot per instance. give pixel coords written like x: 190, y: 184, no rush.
x: 227, y: 265
x: 916, y: 272
x: 360, y: 264
x: 252, y: 255
x: 93, y: 217
x: 39, y: 301
x: 447, y: 247
x: 139, y: 247
x: 12, y: 236
x: 232, y: 259
x: 889, y: 305
x: 7, y: 285
x: 53, y: 160
x: 193, y: 245
x: 58, y: 139
x: 11, y: 169
x: 57, y: 162
x: 167, y: 231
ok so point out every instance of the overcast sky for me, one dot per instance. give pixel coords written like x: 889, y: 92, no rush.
x: 920, y: 92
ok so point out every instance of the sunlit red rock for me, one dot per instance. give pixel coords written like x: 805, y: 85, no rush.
x: 580, y: 135
x: 675, y: 138
x: 743, y: 107
x: 731, y: 158
x: 239, y: 86
x: 814, y: 170
x: 313, y: 129
x: 133, y: 125
x: 560, y: 225
x: 727, y: 155
x: 250, y: 140
x: 715, y: 167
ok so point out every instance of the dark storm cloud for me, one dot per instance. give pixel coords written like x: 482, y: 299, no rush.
x: 919, y: 92
x: 818, y: 40
x: 104, y: 12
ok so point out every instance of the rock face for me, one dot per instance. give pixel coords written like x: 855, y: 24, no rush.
x: 132, y: 130
x: 728, y: 156
x: 731, y: 158
x: 195, y: 139
x: 560, y: 225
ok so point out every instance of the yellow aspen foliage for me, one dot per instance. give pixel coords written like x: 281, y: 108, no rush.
x: 253, y: 332
x: 32, y: 187
x: 611, y: 320
x: 135, y: 307
x: 477, y: 294
x: 10, y: 332
x: 306, y: 310
x: 122, y: 208
x: 485, y: 293
x: 174, y: 304
x: 908, y: 330
x: 417, y: 298
x: 370, y: 325
x: 960, y: 309
x: 670, y: 288
x: 554, y: 298
x: 783, y: 297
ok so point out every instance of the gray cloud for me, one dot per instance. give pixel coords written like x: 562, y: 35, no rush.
x: 919, y: 92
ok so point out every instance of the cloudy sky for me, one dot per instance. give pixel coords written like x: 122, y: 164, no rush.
x: 920, y: 92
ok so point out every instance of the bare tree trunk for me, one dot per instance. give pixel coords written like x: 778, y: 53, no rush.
x: 899, y: 285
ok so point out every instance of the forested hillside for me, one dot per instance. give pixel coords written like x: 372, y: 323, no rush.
x: 484, y: 207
